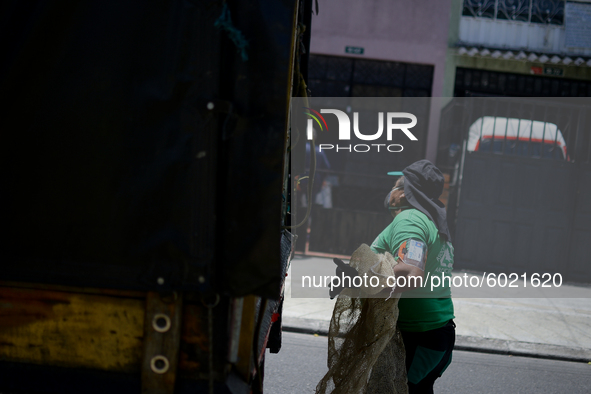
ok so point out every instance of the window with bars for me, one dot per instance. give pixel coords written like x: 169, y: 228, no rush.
x: 532, y: 11
x: 332, y: 76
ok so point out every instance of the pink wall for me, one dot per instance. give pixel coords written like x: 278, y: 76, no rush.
x: 414, y: 31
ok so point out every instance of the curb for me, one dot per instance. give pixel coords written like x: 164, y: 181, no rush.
x: 467, y: 343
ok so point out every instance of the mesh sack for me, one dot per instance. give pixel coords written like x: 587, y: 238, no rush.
x: 365, y: 351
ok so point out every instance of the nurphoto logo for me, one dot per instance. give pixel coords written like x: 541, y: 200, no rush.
x: 344, y: 131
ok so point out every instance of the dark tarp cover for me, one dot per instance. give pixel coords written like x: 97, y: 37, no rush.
x: 115, y: 171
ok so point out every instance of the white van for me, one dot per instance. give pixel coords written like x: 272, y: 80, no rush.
x: 517, y: 137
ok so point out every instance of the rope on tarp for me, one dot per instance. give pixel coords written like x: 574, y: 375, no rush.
x: 302, y: 91
x: 224, y: 22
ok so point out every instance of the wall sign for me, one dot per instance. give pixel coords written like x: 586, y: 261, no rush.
x: 554, y: 71
x: 354, y: 50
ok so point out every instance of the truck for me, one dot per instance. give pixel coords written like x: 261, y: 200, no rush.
x: 146, y: 183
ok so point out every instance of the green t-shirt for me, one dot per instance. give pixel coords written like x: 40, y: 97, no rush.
x: 421, y: 309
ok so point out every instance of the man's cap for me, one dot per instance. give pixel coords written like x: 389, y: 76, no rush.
x: 422, y: 187
x: 426, y: 178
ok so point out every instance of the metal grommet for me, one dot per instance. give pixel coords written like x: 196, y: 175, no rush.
x: 161, y: 322
x: 159, y: 364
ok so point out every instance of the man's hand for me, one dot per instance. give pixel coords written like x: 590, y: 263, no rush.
x: 343, y: 270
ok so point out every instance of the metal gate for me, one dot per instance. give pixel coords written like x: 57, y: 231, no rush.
x: 524, y: 205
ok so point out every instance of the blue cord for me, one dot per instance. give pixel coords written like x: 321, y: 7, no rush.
x: 224, y: 22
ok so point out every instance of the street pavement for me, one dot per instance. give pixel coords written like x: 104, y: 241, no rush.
x: 541, y: 327
x: 301, y: 363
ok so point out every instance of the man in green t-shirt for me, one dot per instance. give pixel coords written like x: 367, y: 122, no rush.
x: 419, y: 239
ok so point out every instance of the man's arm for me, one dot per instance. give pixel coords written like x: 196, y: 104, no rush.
x: 414, y: 277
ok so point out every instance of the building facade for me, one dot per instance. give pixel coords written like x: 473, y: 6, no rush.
x: 520, y: 48
x: 374, y: 48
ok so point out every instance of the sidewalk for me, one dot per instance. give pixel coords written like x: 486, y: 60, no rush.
x: 554, y: 328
